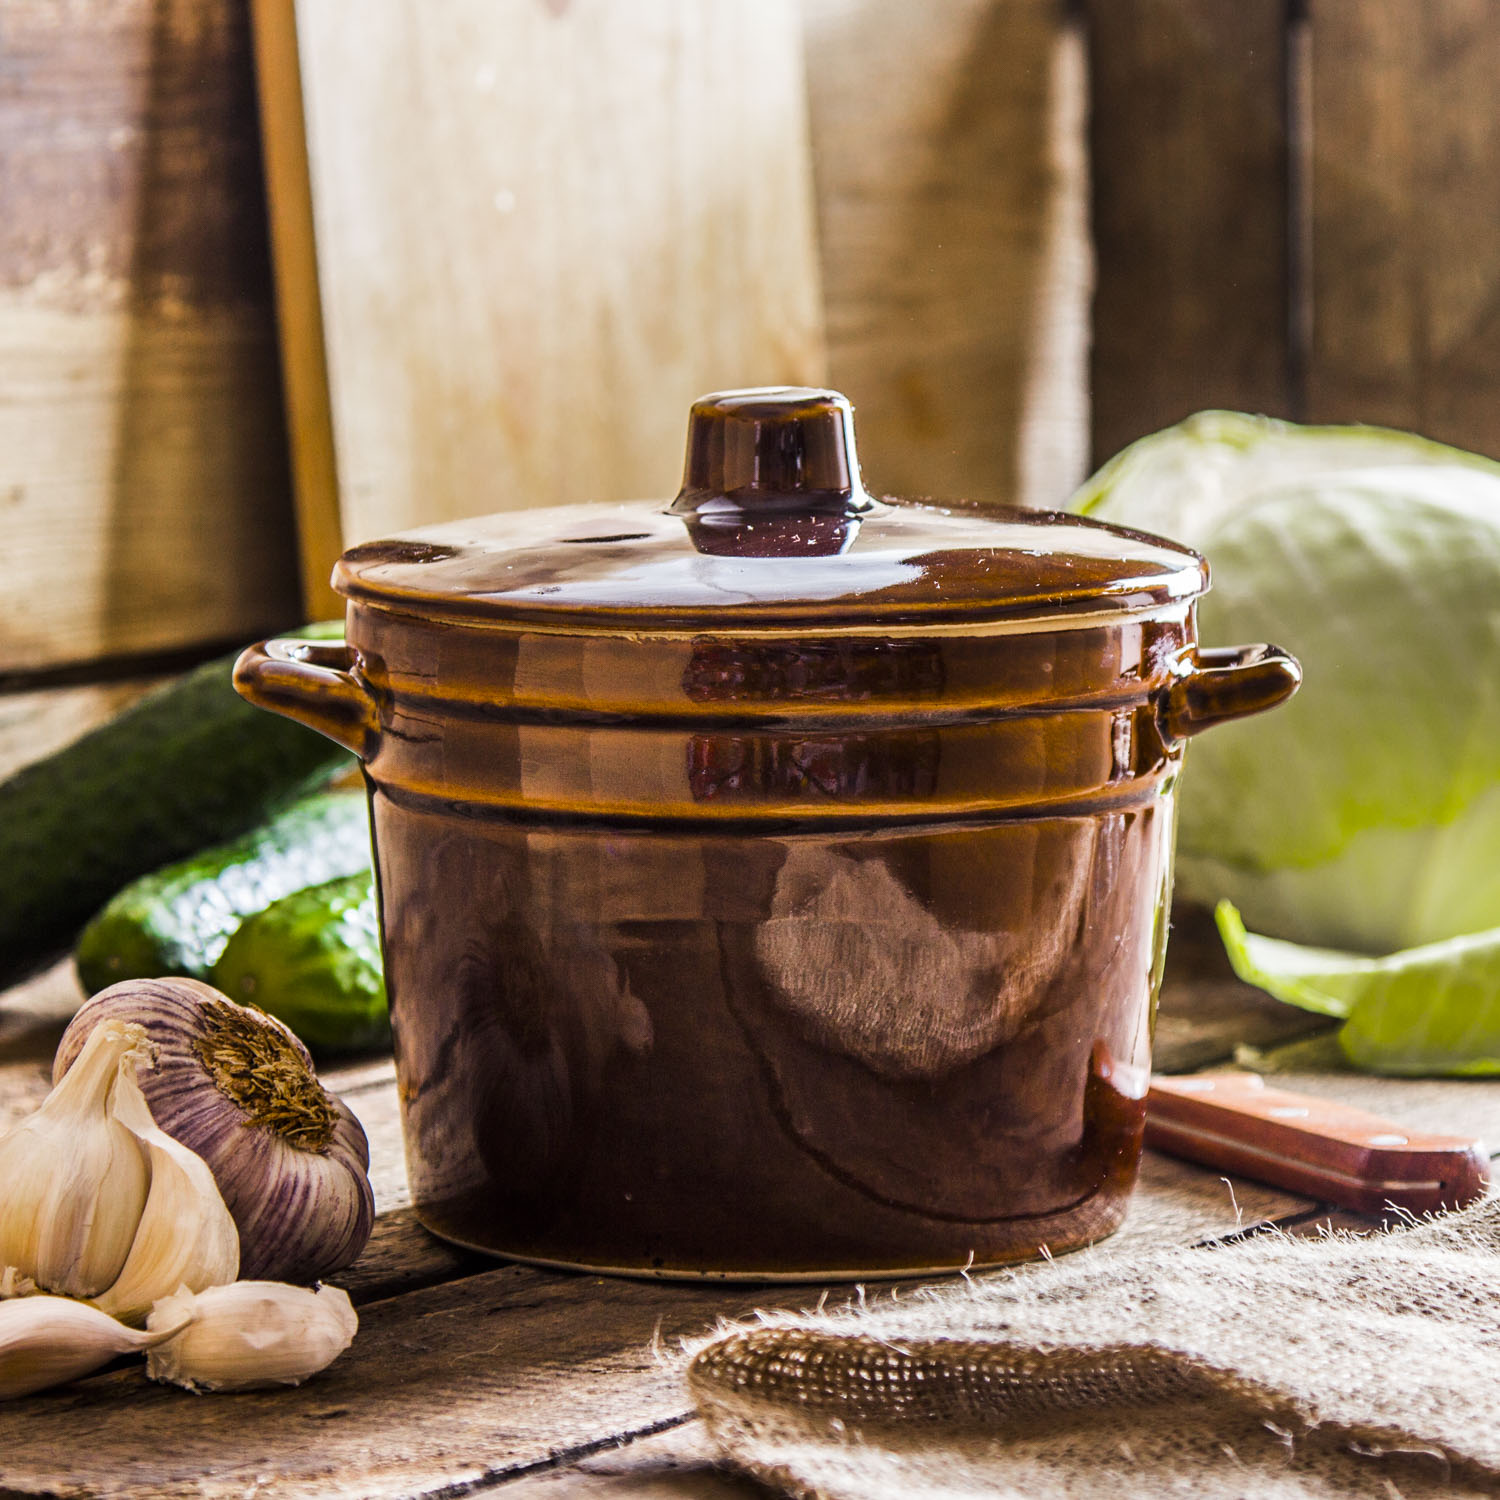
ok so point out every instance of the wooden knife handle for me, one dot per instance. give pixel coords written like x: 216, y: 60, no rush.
x: 1328, y: 1151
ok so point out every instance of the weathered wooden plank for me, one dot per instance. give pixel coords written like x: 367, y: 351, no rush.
x: 33, y: 1016
x: 404, y: 1257
x: 483, y: 354
x: 448, y: 1386
x: 1406, y: 217
x: 462, y: 1383
x: 676, y: 1464
x: 953, y: 233
x: 1189, y: 168
x: 143, y: 470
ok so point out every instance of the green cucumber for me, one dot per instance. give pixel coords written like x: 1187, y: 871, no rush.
x: 188, y: 766
x: 178, y: 919
x: 312, y: 959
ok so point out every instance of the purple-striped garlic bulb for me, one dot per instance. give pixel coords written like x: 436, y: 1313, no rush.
x: 236, y: 1086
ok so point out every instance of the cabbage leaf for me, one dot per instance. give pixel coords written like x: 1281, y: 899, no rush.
x: 1432, y: 1009
x: 1363, y: 815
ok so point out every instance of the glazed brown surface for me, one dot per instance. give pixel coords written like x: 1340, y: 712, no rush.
x: 673, y: 1051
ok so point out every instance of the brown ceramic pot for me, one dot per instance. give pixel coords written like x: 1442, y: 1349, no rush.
x: 773, y: 882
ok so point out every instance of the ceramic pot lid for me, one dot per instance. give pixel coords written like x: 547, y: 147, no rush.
x: 773, y: 527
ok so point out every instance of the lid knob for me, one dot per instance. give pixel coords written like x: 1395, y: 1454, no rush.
x: 772, y: 472
x: 776, y: 449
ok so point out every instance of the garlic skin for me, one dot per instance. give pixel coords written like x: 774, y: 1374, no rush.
x: 73, y: 1179
x: 249, y: 1335
x: 235, y: 1086
x: 186, y: 1237
x: 14, y: 1284
x: 46, y: 1341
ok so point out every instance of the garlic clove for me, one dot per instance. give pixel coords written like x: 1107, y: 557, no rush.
x: 250, y: 1334
x: 186, y: 1237
x: 74, y: 1177
x: 46, y: 1341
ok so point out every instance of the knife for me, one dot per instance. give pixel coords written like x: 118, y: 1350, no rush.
x: 1332, y: 1152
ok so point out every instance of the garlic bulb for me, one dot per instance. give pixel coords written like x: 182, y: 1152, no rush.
x: 186, y: 1236
x: 249, y: 1335
x: 235, y: 1086
x: 48, y: 1340
x: 74, y: 1177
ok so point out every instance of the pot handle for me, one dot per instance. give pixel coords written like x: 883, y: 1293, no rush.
x: 1227, y: 682
x: 315, y: 682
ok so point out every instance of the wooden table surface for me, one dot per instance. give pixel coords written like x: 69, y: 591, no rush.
x: 470, y: 1375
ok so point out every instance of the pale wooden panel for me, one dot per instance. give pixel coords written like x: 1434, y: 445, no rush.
x: 142, y: 465
x: 1406, y: 217
x: 541, y: 230
x: 35, y: 725
x: 1189, y: 150
x: 951, y: 187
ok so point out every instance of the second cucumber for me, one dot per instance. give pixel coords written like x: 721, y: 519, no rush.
x: 179, y: 919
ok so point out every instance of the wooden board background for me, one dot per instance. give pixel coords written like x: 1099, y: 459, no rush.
x: 143, y: 492
x: 1292, y: 210
x: 1190, y: 212
x: 1405, y: 217
x: 1295, y: 212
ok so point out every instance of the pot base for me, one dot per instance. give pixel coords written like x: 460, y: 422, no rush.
x: 1048, y: 1250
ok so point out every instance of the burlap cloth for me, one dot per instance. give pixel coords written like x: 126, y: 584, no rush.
x: 1334, y: 1366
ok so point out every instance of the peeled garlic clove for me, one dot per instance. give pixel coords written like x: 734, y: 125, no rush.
x: 73, y: 1177
x: 186, y: 1237
x: 236, y: 1086
x: 49, y: 1340
x: 250, y: 1334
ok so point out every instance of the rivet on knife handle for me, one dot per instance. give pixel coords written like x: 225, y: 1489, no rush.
x: 1332, y: 1152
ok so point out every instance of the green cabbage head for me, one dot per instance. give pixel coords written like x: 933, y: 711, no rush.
x: 1365, y: 814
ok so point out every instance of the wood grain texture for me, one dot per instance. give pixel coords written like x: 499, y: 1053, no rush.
x: 1405, y: 186
x: 542, y: 229
x: 143, y: 482
x: 1189, y: 154
x: 681, y: 1463
x: 500, y: 1373
x: 948, y: 154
